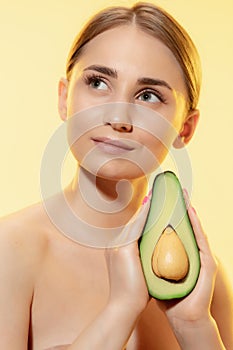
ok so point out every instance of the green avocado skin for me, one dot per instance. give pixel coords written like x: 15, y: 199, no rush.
x: 168, y: 208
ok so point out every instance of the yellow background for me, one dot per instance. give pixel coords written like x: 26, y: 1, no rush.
x: 35, y: 37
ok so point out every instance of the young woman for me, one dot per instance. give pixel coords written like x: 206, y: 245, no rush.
x: 128, y: 66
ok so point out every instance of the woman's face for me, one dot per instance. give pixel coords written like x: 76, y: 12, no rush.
x: 125, y: 89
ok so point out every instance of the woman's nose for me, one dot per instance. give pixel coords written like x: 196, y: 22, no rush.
x: 119, y: 118
x: 121, y: 127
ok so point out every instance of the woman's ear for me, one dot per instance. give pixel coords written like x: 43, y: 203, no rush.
x: 188, y: 129
x: 62, y: 98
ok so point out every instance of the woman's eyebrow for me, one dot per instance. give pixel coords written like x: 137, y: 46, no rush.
x: 104, y: 70
x: 152, y: 81
x: 113, y: 74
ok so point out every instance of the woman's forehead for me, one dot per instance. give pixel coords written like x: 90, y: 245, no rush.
x: 129, y: 50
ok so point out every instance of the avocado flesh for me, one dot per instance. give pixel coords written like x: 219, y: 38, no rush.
x: 168, y: 209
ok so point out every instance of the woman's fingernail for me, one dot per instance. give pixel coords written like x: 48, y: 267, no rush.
x: 194, y: 210
x: 185, y: 191
x: 147, y: 198
x: 186, y: 197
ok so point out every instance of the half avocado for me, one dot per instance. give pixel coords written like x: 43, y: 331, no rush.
x: 168, y: 249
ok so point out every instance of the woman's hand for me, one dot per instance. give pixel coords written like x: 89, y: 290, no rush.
x: 127, y: 284
x: 126, y: 279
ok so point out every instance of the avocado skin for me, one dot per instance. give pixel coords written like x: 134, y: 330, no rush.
x: 168, y: 208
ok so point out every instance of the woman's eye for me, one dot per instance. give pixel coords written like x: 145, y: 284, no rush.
x: 148, y: 96
x: 98, y: 84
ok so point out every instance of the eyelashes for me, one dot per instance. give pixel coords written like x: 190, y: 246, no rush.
x: 151, y: 95
x: 96, y: 81
x: 147, y: 95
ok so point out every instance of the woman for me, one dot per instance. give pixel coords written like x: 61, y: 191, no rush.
x: 126, y: 65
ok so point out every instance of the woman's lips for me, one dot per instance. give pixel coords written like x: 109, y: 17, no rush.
x: 112, y: 146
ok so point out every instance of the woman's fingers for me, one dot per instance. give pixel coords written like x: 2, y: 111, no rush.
x: 133, y: 229
x: 208, y: 262
x: 201, y: 237
x: 123, y: 262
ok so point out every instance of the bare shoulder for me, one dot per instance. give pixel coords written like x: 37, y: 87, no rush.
x: 25, y: 229
x: 22, y: 247
x: 23, y: 234
x: 222, y: 306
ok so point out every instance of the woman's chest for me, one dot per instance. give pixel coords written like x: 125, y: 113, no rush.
x: 70, y: 292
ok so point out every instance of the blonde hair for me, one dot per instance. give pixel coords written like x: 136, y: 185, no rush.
x: 156, y: 22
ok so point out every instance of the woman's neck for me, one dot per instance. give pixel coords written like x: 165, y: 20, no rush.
x: 103, y: 202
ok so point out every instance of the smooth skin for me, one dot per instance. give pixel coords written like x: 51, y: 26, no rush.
x: 62, y: 295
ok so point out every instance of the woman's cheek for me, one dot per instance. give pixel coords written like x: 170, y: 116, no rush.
x: 159, y: 151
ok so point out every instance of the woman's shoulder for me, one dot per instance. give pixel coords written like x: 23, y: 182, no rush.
x: 22, y: 250
x: 25, y: 231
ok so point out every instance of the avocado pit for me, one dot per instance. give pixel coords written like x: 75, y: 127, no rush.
x: 170, y: 260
